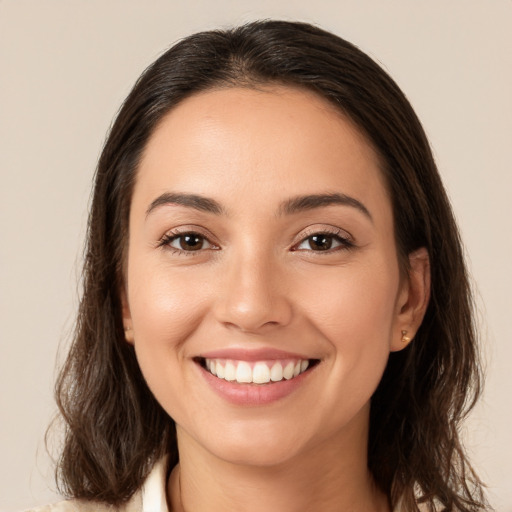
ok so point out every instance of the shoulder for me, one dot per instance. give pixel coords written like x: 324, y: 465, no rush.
x: 74, y: 506
x: 133, y: 505
x: 150, y: 497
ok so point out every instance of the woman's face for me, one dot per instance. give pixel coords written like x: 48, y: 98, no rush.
x: 261, y: 249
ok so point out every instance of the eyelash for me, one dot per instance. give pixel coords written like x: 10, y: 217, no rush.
x: 168, y: 238
x: 336, y: 234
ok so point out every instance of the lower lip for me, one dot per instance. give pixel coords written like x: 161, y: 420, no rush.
x: 253, y: 394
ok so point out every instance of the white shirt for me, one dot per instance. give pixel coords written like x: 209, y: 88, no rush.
x: 151, y: 497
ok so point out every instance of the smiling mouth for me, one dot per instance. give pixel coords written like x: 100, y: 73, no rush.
x: 256, y: 372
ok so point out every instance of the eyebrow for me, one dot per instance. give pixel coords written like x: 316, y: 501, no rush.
x: 189, y: 200
x: 310, y: 202
x: 288, y: 207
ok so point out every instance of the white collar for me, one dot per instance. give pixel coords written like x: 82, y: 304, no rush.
x: 154, y: 495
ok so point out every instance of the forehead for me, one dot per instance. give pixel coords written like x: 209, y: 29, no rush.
x: 262, y: 142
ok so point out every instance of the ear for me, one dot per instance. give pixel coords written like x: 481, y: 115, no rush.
x: 412, y: 300
x: 127, y: 317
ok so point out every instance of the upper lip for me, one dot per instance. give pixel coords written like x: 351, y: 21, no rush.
x: 261, y: 354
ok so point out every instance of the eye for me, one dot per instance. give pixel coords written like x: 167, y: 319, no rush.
x: 187, y: 242
x: 324, y: 241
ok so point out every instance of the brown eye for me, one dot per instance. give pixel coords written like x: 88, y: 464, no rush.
x: 320, y: 242
x: 189, y: 242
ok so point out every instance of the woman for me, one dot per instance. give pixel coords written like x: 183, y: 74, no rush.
x: 276, y: 312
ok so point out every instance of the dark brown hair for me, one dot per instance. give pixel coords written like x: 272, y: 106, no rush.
x: 116, y: 430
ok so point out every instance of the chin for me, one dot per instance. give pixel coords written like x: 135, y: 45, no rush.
x: 251, y: 443
x: 261, y: 453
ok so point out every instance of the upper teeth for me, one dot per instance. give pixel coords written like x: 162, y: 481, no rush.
x: 258, y: 372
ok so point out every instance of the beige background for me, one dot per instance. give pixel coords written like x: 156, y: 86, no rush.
x: 66, y: 65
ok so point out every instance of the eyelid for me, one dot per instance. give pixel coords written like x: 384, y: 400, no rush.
x: 175, y: 233
x: 345, y: 238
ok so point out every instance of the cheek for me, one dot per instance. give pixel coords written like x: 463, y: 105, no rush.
x: 354, y: 311
x: 166, y: 308
x: 357, y: 301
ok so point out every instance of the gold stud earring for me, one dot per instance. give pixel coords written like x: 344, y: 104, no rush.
x: 126, y: 329
x: 405, y: 338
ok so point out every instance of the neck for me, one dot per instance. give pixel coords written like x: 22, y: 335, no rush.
x: 330, y: 477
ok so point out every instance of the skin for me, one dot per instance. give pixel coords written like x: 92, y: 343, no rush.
x: 258, y: 282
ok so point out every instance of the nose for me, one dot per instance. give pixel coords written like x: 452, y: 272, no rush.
x: 253, y: 296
